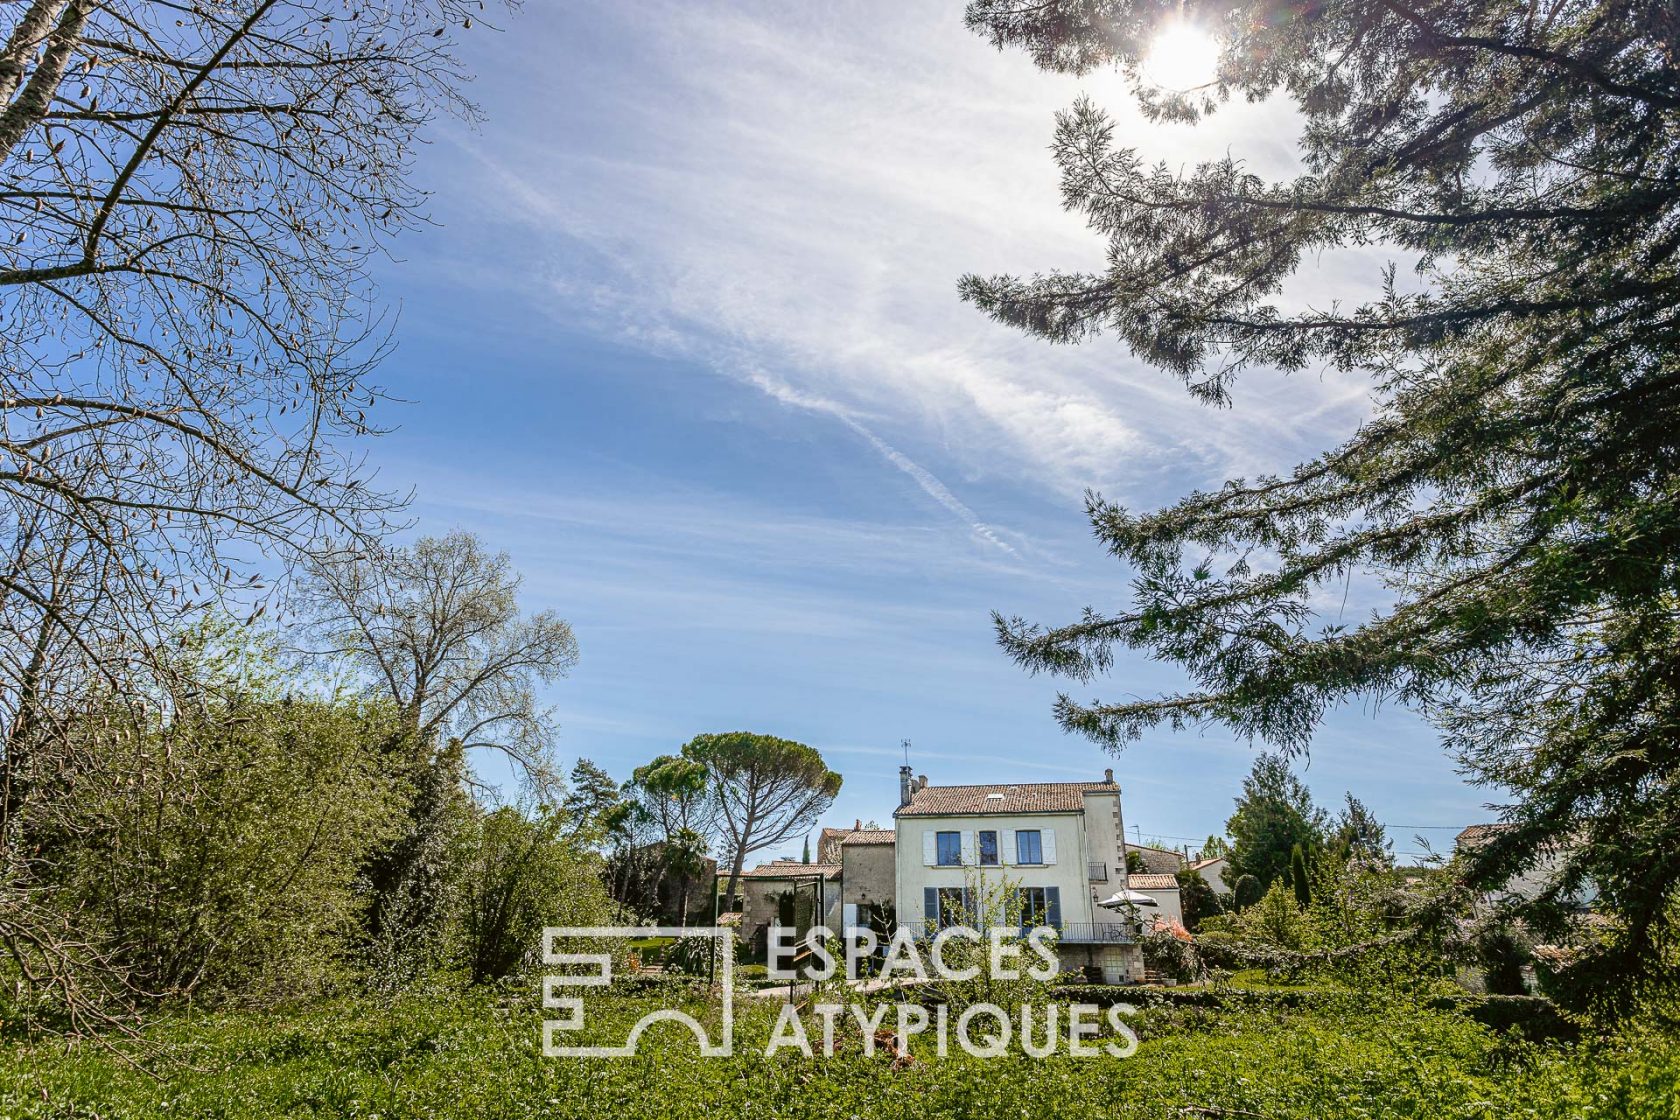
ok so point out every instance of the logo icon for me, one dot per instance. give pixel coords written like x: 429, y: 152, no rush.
x: 572, y: 1006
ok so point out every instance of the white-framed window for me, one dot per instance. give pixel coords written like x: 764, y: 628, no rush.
x: 1029, y: 846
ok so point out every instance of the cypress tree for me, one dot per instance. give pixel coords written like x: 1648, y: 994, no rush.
x: 1298, y: 875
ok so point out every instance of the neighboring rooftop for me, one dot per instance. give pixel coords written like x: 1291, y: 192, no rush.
x: 1135, y: 847
x: 1477, y: 833
x: 1017, y: 797
x: 1152, y: 882
x: 867, y: 836
x: 830, y: 839
x: 792, y: 869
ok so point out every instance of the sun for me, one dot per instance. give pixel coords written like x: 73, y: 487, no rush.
x: 1182, y: 57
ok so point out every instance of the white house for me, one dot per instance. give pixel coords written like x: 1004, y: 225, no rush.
x: 1164, y: 890
x: 1212, y: 871
x: 1534, y: 880
x: 1058, y: 844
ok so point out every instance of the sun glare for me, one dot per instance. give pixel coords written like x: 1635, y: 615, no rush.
x: 1182, y: 57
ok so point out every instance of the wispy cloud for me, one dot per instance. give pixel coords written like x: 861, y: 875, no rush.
x: 803, y: 186
x: 931, y: 486
x: 778, y: 199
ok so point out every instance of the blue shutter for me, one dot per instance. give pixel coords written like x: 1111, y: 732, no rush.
x: 1053, y: 903
x: 930, y: 907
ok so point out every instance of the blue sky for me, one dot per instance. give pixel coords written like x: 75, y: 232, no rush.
x: 686, y: 344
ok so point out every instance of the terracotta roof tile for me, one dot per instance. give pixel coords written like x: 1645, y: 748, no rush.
x: 1019, y: 797
x: 790, y: 868
x: 830, y: 839
x: 1152, y: 882
x: 868, y: 836
x: 1477, y: 833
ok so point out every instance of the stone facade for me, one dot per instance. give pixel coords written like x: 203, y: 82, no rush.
x: 867, y: 872
x: 1157, y: 861
x: 784, y: 892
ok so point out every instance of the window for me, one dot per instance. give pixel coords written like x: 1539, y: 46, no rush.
x: 1029, y: 846
x: 988, y: 849
x: 1035, y: 907
x: 949, y: 849
x: 953, y: 907
x: 1041, y: 906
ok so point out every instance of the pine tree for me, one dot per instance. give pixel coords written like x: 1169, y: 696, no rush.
x: 1275, y: 816
x: 1359, y: 835
x: 1516, y: 485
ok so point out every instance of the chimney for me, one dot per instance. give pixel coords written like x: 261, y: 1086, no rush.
x: 921, y: 782
x: 857, y: 825
x: 1108, y: 775
x: 905, y: 786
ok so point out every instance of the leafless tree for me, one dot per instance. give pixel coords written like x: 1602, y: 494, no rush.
x: 190, y: 194
x: 437, y: 628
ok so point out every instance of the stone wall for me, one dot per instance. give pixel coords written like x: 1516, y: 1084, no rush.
x: 867, y: 872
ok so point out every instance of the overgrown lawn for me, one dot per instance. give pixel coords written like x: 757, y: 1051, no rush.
x: 471, y: 1057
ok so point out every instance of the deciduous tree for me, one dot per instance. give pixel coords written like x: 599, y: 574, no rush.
x: 435, y: 628
x: 189, y: 196
x: 523, y: 871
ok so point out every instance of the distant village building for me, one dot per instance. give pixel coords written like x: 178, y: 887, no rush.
x: 868, y: 875
x: 1213, y: 871
x: 1057, y: 845
x: 1057, y: 848
x: 640, y: 877
x: 1533, y: 881
x: 1168, y: 908
x: 1157, y: 861
x: 790, y: 894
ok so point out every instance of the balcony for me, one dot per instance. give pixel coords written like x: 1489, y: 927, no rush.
x: 1089, y: 933
x: 1097, y: 872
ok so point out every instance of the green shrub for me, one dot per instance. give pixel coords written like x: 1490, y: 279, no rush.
x: 215, y: 853
x: 523, y: 872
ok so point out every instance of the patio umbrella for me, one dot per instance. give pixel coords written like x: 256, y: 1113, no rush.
x: 1127, y: 898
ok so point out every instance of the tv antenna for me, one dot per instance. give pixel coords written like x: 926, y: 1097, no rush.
x: 905, y: 743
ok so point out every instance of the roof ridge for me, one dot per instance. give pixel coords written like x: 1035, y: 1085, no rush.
x: 983, y: 785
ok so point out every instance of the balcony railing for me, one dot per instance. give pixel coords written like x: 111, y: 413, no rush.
x: 1104, y: 933
x: 1075, y: 933
x: 1097, y: 872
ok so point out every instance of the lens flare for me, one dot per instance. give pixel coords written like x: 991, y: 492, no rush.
x: 1182, y: 57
